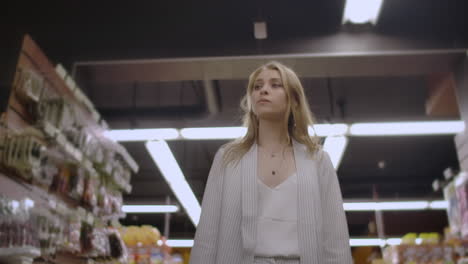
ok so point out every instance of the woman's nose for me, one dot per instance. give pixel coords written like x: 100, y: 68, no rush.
x: 264, y: 90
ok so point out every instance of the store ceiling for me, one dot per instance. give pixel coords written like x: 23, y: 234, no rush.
x: 379, y: 74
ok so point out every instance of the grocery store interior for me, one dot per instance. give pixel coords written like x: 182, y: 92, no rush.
x: 112, y: 112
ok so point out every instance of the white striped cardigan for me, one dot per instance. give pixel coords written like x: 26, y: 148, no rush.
x: 226, y: 232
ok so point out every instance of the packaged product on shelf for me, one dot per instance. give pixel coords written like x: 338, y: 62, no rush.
x: 116, y: 203
x: 453, y: 211
x: 98, y: 244
x: 57, y: 112
x: 72, y: 243
x: 94, y: 151
x: 61, y: 183
x: 78, y: 136
x: 117, y: 248
x: 86, y: 237
x: 3, y: 144
x: 104, y: 202
x: 90, y: 192
x: 47, y: 173
x: 77, y: 182
x: 17, y: 227
x: 157, y: 256
x: 29, y: 85
x: 461, y: 185
x: 57, y: 225
x: 24, y: 153
x: 50, y: 231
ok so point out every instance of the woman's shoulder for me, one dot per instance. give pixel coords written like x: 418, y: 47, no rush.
x: 317, y: 153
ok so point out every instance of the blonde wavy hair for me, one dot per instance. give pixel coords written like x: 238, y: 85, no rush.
x: 298, y: 116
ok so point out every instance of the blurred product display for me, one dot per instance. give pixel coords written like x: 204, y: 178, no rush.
x: 61, y: 181
x: 430, y: 248
x: 146, y: 246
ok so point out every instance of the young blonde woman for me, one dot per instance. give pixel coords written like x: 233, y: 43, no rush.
x: 273, y: 196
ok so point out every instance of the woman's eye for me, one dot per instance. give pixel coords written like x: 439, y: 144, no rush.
x: 277, y: 85
x: 257, y: 87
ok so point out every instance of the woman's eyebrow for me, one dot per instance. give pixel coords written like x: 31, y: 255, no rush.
x: 275, y: 79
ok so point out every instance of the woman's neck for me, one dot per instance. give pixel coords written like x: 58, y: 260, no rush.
x: 271, y: 135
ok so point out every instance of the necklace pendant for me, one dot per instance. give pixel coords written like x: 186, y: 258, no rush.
x: 273, y: 172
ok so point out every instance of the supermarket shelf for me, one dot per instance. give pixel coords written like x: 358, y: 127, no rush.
x: 20, y: 255
x: 17, y: 189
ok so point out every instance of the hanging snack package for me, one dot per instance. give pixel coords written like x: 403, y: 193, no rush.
x: 461, y: 185
x: 5, y: 213
x: 453, y: 211
x: 90, y: 192
x: 87, y: 235
x: 116, y: 203
x: 47, y: 173
x: 61, y: 180
x: 77, y: 182
x: 104, y: 202
x: 72, y: 243
x: 29, y: 85
x: 99, y: 244
x: 117, y: 247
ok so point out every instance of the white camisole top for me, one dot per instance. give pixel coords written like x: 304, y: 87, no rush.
x: 277, y: 219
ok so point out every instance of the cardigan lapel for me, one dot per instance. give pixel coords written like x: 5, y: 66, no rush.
x: 308, y: 203
x: 249, y: 199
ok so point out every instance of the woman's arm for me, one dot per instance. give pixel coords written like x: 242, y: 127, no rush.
x: 206, y: 235
x: 335, y: 229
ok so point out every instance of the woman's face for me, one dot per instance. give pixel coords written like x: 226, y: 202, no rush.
x: 268, y: 97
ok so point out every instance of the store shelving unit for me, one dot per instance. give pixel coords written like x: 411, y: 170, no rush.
x: 102, y: 169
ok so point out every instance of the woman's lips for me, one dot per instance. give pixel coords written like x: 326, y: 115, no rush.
x: 263, y: 101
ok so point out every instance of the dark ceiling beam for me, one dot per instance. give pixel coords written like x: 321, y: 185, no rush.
x: 306, y: 65
x: 192, y: 111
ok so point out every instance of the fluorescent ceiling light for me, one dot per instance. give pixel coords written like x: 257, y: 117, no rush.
x: 359, y: 11
x: 213, y: 132
x: 321, y: 130
x: 399, y: 206
x: 164, y: 159
x: 142, y: 134
x: 438, y: 205
x: 394, y: 206
x: 325, y: 130
x: 354, y: 242
x: 143, y: 209
x: 407, y: 128
x: 335, y: 146
x: 393, y: 241
x: 186, y: 243
x: 366, y: 242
